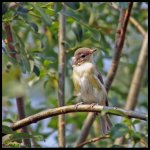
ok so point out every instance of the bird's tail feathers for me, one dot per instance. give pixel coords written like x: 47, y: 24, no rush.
x: 105, y: 123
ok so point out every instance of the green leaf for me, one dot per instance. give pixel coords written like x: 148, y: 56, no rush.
x: 44, y: 16
x: 113, y: 111
x: 127, y: 121
x: 36, y: 70
x: 53, y: 123
x: 136, y: 136
x: 34, y: 26
x: 77, y: 31
x: 8, y: 120
x: 73, y: 5
x: 22, y: 11
x: 136, y: 121
x: 25, y: 64
x: 46, y: 63
x: 78, y: 18
x: 57, y: 7
x: 8, y: 144
x: 18, y: 136
x: 7, y: 130
x: 38, y: 137
x: 118, y: 130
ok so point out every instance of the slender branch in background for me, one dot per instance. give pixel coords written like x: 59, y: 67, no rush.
x: 61, y: 80
x: 19, y: 100
x: 136, y: 80
x: 86, y: 127
x: 132, y: 20
x: 21, y: 112
x: 122, y: 26
x: 81, y: 108
x: 138, y: 26
x: 93, y: 140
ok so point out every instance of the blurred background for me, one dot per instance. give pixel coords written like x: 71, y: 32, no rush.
x: 34, y: 28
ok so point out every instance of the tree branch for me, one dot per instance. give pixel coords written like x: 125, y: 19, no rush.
x: 86, y: 128
x: 81, y: 108
x: 10, y: 40
x: 19, y: 100
x: 138, y: 26
x: 61, y: 79
x: 132, y: 20
x: 93, y: 140
x: 136, y: 80
x: 122, y: 26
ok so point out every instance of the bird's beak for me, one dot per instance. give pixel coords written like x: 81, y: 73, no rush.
x: 93, y: 50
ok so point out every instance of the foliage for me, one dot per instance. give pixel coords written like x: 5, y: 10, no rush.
x: 34, y: 27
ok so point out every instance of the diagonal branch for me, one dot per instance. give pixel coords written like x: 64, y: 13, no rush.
x: 133, y: 21
x: 122, y: 27
x: 93, y: 140
x: 138, y: 26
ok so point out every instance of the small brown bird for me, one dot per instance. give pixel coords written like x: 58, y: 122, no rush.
x: 88, y: 83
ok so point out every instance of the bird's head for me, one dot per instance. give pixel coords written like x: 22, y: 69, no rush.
x: 82, y: 55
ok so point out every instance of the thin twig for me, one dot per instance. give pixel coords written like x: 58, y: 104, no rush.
x: 138, y: 26
x: 81, y: 108
x: 61, y: 79
x: 132, y: 20
x: 93, y: 140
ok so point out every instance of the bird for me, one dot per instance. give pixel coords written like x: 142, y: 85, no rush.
x: 88, y: 83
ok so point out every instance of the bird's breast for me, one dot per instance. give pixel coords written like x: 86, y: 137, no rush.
x: 84, y: 69
x: 88, y: 92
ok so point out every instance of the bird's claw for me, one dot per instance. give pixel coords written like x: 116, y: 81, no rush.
x: 76, y: 105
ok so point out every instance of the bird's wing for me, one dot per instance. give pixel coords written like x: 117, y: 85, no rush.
x: 76, y: 82
x: 99, y: 75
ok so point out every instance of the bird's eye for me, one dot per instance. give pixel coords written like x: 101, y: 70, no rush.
x: 83, y: 56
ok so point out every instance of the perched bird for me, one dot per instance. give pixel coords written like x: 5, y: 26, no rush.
x: 88, y: 83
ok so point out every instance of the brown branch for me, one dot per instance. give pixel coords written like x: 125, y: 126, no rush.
x: 10, y: 41
x: 132, y: 20
x: 61, y: 79
x: 138, y: 76
x: 136, y: 80
x: 122, y: 27
x: 86, y: 128
x: 93, y: 140
x: 21, y: 113
x: 81, y: 108
x: 123, y: 21
x: 19, y: 100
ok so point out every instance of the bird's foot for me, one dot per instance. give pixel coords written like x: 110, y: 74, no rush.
x: 76, y: 105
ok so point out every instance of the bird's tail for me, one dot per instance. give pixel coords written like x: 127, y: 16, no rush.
x: 105, y: 123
